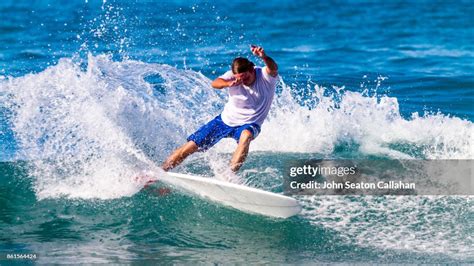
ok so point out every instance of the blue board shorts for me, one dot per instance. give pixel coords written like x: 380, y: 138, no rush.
x: 212, y: 132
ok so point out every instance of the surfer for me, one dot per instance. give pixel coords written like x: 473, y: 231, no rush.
x: 251, y: 90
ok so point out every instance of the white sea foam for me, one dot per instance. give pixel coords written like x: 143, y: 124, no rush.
x: 374, y: 123
x: 422, y: 224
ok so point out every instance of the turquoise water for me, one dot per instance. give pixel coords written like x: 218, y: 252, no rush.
x: 92, y: 93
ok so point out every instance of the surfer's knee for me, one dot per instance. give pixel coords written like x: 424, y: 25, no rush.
x: 189, y: 148
x: 245, y: 137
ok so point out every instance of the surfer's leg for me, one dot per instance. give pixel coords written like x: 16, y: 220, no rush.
x: 242, y: 150
x: 179, y: 155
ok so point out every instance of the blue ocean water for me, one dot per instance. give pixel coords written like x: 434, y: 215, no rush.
x: 92, y: 92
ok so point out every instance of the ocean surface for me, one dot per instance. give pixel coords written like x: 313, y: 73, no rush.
x: 92, y: 93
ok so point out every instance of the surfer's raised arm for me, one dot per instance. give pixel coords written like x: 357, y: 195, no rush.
x: 271, y: 66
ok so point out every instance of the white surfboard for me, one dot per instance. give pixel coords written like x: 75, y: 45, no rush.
x: 240, y: 197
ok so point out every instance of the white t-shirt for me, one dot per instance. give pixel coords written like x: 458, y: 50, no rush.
x: 249, y: 104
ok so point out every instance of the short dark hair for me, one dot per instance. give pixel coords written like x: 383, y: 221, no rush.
x: 241, y: 65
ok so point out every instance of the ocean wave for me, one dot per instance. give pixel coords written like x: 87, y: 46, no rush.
x: 88, y: 130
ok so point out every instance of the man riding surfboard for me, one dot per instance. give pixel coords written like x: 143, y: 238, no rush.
x: 251, y: 90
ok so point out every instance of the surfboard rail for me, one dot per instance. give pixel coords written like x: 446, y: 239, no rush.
x: 240, y: 197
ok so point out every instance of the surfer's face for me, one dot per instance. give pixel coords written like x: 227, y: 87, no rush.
x: 247, y: 77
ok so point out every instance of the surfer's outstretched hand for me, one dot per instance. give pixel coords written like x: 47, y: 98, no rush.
x: 257, y: 51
